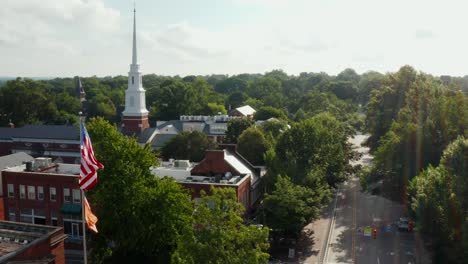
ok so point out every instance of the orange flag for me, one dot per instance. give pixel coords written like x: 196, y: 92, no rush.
x: 91, y: 219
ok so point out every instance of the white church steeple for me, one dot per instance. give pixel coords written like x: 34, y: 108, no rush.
x: 135, y: 115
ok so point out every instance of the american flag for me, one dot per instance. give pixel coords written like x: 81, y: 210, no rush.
x: 89, y: 163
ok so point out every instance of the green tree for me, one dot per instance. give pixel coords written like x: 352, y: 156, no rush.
x: 438, y: 201
x: 187, y: 145
x: 424, y: 127
x: 25, y: 101
x: 141, y: 217
x: 317, y: 144
x: 273, y: 129
x: 235, y: 128
x: 231, y: 85
x: 219, y: 235
x: 267, y: 112
x: 252, y: 145
x: 369, y: 82
x: 342, y: 89
x: 290, y: 207
x: 236, y: 99
x: 386, y: 102
x: 213, y: 109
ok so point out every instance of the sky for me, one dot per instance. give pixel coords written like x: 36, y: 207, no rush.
x: 64, y: 38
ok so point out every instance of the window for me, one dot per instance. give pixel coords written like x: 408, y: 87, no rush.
x: 31, y: 192
x: 72, y: 226
x: 40, y: 193
x: 53, y: 194
x: 133, y: 80
x: 39, y: 216
x: 22, y: 192
x: 66, y: 195
x: 11, y: 190
x: 11, y: 214
x: 76, y: 196
x: 33, y: 216
x: 53, y: 218
x: 26, y: 215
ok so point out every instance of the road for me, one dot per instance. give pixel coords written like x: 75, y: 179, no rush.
x: 355, y: 210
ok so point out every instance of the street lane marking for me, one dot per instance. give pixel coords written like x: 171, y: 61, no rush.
x: 353, y: 240
x: 330, y: 232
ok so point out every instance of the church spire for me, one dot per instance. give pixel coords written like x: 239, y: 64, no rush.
x: 134, y: 54
x: 135, y: 115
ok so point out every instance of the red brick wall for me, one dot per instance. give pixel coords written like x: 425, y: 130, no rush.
x: 5, y: 148
x: 241, y: 190
x: 244, y: 187
x: 37, y: 179
x: 132, y: 124
x: 2, y: 209
x: 213, y: 163
x: 59, y: 252
x: 43, y: 249
x: 35, y: 252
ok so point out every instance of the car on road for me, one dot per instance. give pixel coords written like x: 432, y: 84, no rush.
x: 405, y: 224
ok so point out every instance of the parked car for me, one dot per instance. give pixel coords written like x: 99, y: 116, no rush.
x: 405, y: 224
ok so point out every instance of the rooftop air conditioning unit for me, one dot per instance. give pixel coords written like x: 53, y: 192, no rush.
x: 42, y: 162
x: 234, y: 180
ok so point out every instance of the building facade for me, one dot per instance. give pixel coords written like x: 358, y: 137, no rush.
x: 58, y: 142
x: 43, y: 193
x: 219, y: 168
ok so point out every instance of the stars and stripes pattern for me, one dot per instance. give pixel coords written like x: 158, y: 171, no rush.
x: 89, y: 163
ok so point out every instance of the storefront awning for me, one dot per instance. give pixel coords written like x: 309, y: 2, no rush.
x: 70, y: 208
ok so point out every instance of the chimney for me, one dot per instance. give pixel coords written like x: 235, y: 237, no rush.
x: 29, y: 165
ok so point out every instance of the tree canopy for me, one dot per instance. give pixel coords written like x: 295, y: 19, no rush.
x: 187, y: 145
x: 141, y: 217
x: 235, y: 127
x: 219, y: 235
x: 253, y: 145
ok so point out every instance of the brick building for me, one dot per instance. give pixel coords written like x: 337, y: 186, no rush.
x: 56, y: 142
x: 220, y: 168
x: 41, y: 192
x: 27, y: 243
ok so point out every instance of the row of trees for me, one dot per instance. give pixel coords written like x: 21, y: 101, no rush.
x: 439, y: 201
x: 412, y: 119
x: 275, y: 93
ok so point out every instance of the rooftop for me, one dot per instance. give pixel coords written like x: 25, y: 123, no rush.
x: 54, y: 132
x: 18, y: 237
x: 180, y: 171
x: 14, y: 160
x: 246, y: 110
x: 45, y: 165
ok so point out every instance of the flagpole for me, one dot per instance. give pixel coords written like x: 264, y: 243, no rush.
x: 85, y: 253
x: 83, y: 213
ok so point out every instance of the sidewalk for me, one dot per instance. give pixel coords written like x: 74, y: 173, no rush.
x: 311, y: 245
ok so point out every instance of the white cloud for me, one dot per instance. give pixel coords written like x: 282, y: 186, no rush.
x: 47, y: 33
x: 68, y: 37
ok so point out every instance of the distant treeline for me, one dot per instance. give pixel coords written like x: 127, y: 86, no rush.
x: 55, y: 101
